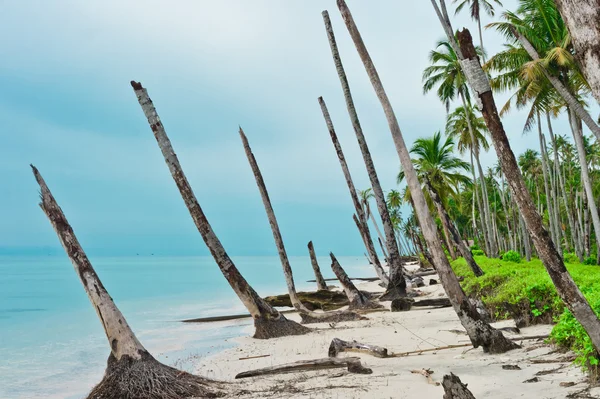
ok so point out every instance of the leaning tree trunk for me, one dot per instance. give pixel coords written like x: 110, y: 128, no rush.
x: 362, y: 225
x: 448, y: 238
x: 397, y: 286
x: 485, y: 200
x: 307, y: 316
x: 268, y: 321
x: 547, y: 184
x: 565, y: 286
x: 480, y: 332
x: 321, y: 285
x: 585, y: 174
x: 582, y: 18
x: 131, y: 371
x: 356, y: 299
x: 465, y: 252
x: 560, y: 88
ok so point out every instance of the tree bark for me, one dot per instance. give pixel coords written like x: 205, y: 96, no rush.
x: 351, y: 363
x: 397, y: 286
x: 455, y: 389
x: 269, y: 323
x: 465, y: 252
x: 357, y: 300
x: 321, y: 285
x: 361, y: 222
x: 307, y: 316
x: 565, y: 286
x: 131, y: 370
x: 582, y: 19
x: 337, y: 345
x: 480, y: 332
x: 563, y: 91
x: 546, y: 183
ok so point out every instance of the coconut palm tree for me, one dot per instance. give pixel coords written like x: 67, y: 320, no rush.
x: 480, y: 332
x: 475, y: 7
x: 446, y: 73
x: 441, y: 172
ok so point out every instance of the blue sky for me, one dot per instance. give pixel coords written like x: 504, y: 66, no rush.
x: 66, y: 106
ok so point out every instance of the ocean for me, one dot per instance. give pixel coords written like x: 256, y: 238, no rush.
x: 53, y: 346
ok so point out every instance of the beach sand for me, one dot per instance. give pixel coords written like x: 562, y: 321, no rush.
x: 417, y: 329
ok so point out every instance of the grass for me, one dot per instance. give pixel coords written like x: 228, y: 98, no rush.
x: 523, y: 290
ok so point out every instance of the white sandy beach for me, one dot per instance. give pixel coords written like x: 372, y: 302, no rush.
x: 417, y: 329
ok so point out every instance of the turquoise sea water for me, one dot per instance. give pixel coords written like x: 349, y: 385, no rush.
x: 53, y: 346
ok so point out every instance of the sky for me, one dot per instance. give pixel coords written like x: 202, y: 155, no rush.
x: 66, y: 106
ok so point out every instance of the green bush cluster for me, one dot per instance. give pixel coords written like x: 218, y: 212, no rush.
x: 590, y: 260
x: 511, y: 256
x: 526, y: 286
x: 477, y: 252
x: 570, y: 257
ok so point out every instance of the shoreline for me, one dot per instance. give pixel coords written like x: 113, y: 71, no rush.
x: 399, y: 332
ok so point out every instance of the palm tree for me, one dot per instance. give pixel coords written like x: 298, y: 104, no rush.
x: 475, y: 7
x: 581, y: 17
x: 441, y: 173
x: 480, y: 332
x: 459, y: 128
x: 446, y: 73
x: 365, y: 197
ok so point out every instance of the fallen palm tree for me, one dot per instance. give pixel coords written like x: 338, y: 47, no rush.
x: 131, y: 371
x: 307, y: 315
x: 269, y: 323
x: 321, y: 285
x: 353, y: 365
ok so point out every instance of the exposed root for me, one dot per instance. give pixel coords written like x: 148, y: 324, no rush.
x: 338, y: 345
x: 279, y: 327
x: 147, y: 378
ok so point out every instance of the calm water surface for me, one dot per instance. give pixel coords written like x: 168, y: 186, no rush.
x: 53, y: 346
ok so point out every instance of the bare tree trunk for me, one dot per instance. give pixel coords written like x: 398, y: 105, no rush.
x: 397, y: 286
x: 480, y: 332
x: 466, y: 252
x: 581, y: 17
x: 362, y: 225
x: 455, y: 389
x: 484, y: 194
x: 321, y: 285
x: 486, y: 242
x: 357, y: 300
x: 585, y: 174
x: 308, y: 316
x: 131, y: 370
x: 546, y: 183
x: 565, y: 286
x: 269, y: 323
x: 564, y: 92
x: 448, y: 238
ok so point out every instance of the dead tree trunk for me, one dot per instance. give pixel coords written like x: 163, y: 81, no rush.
x: 131, y: 371
x: 565, y: 286
x: 352, y: 364
x: 356, y: 299
x: 397, y: 285
x: 361, y: 222
x: 321, y: 285
x: 455, y: 389
x: 268, y: 321
x: 464, y: 250
x: 480, y: 332
x: 308, y: 316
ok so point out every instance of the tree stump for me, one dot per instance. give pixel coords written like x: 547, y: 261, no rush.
x: 455, y: 389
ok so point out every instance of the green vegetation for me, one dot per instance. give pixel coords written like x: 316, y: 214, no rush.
x: 511, y: 256
x: 524, y: 291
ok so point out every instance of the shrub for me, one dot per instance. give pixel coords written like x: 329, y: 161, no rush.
x: 570, y: 257
x: 511, y: 256
x: 590, y: 260
x: 475, y: 247
x: 477, y: 252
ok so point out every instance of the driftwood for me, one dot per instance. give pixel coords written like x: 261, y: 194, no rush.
x: 325, y: 300
x: 253, y: 357
x: 427, y: 374
x: 455, y: 389
x: 225, y: 318
x: 338, y: 345
x: 351, y: 278
x: 439, y: 302
x: 357, y: 300
x: 351, y: 363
